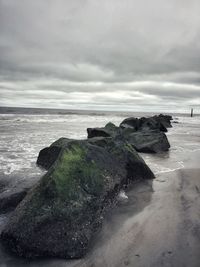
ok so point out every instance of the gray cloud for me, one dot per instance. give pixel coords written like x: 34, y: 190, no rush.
x: 89, y: 53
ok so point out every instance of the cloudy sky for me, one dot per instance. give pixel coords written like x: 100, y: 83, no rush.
x: 91, y: 54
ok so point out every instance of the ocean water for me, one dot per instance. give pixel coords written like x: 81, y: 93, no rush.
x: 23, y: 135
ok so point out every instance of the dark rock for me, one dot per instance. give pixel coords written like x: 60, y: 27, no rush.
x: 109, y: 130
x: 95, y: 132
x: 10, y: 199
x: 147, y: 134
x: 48, y: 155
x: 59, y: 216
x: 166, y: 117
x: 151, y: 123
x: 165, y: 120
x: 148, y: 141
x: 131, y: 122
x: 3, y: 184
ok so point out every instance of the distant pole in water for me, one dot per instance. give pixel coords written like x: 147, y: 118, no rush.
x: 191, y: 112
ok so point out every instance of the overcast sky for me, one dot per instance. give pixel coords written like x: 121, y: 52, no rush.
x: 91, y: 54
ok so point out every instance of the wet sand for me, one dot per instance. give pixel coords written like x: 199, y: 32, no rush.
x: 164, y: 233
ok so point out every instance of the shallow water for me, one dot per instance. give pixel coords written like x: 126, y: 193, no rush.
x: 23, y: 135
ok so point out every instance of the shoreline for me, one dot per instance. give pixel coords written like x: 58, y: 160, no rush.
x: 92, y: 112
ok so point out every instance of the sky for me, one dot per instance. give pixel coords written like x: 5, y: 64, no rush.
x: 104, y: 55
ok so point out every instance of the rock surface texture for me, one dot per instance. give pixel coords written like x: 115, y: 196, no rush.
x: 60, y: 214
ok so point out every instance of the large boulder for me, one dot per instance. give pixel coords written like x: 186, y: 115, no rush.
x: 150, y: 142
x: 59, y: 216
x: 9, y: 199
x: 165, y: 120
x: 48, y: 155
x: 149, y: 123
x: 132, y: 122
x: 166, y: 117
x: 109, y: 130
x: 152, y: 123
x: 147, y: 134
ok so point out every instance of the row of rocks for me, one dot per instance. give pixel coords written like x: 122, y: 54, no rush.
x: 61, y: 213
x: 144, y: 134
x: 147, y: 137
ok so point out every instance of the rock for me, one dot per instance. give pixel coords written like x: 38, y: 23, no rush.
x: 48, y: 155
x: 151, y: 123
x: 59, y: 216
x: 131, y: 122
x: 109, y: 130
x: 95, y: 132
x: 166, y: 117
x: 145, y: 140
x: 3, y: 184
x: 10, y: 199
x: 12, y: 192
x: 148, y: 141
x: 165, y: 120
x: 146, y: 134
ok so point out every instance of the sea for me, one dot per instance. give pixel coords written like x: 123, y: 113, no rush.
x: 25, y: 131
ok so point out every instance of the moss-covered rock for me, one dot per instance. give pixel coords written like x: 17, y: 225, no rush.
x: 48, y: 155
x: 59, y: 216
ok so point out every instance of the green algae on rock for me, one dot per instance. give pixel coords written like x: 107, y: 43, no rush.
x: 60, y: 215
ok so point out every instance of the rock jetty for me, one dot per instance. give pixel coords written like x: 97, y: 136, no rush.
x: 61, y: 213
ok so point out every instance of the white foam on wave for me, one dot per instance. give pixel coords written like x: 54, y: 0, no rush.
x: 163, y: 165
x: 122, y: 196
x: 10, y: 167
x: 166, y: 170
x: 64, y: 118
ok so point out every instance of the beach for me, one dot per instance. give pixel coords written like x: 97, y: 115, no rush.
x: 155, y: 223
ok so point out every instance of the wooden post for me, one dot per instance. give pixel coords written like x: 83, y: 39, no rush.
x: 191, y: 112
